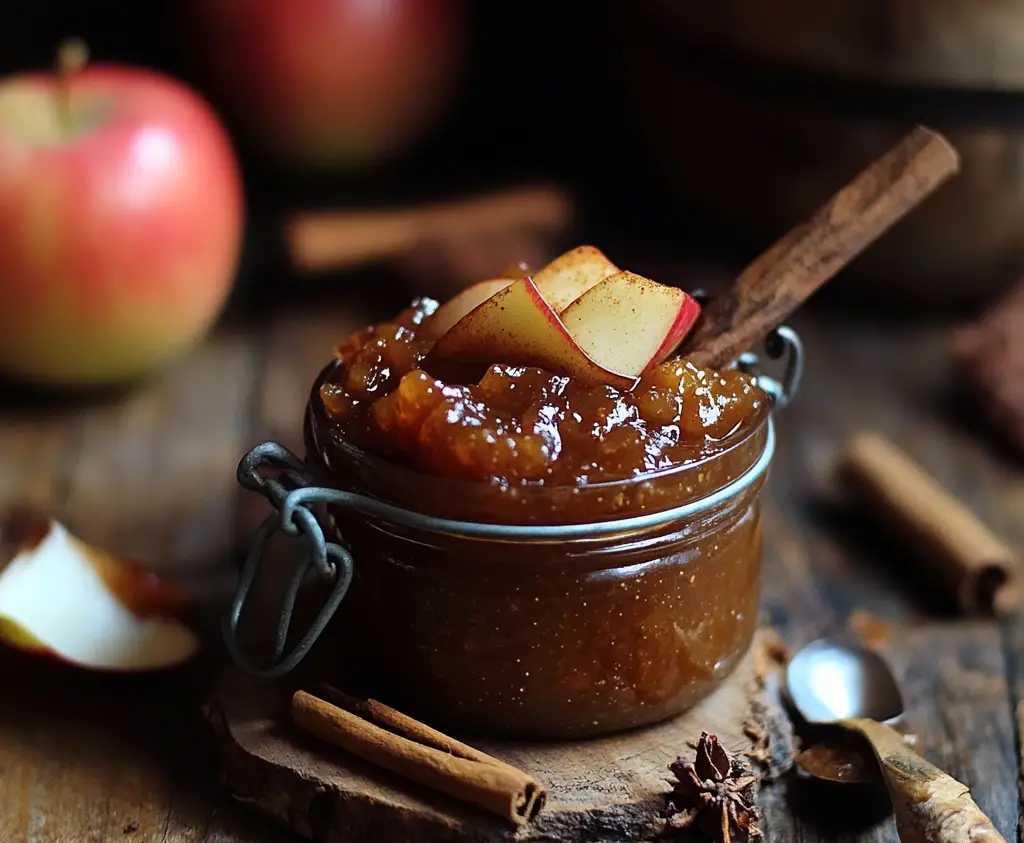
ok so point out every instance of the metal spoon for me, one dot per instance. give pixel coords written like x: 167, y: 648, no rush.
x: 838, y: 683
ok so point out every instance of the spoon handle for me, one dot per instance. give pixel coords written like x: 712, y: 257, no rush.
x: 930, y: 806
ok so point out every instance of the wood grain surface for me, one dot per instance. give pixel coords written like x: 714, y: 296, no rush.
x: 151, y: 472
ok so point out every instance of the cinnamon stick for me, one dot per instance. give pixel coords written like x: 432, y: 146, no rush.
x: 963, y: 556
x: 796, y: 266
x: 408, y: 727
x: 479, y: 780
x: 324, y: 240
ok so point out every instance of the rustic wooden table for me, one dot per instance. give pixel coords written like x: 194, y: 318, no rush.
x: 151, y: 474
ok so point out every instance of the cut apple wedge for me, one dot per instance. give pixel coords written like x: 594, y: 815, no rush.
x: 518, y: 327
x: 77, y: 603
x: 629, y: 323
x: 570, y: 275
x: 462, y: 303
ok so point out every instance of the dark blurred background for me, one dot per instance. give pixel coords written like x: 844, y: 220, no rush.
x: 680, y: 135
x: 533, y: 103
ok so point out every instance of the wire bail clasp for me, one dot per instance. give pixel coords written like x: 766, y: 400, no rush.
x: 781, y: 343
x: 294, y: 517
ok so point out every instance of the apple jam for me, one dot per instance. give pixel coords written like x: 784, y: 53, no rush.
x: 538, y: 636
x: 521, y: 425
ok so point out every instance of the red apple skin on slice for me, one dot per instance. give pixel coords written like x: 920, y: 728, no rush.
x: 629, y: 323
x: 140, y: 590
x: 570, y: 275
x: 467, y: 299
x: 518, y: 327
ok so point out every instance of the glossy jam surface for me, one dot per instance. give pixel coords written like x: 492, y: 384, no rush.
x: 524, y: 426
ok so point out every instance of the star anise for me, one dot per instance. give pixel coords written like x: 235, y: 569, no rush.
x: 713, y: 793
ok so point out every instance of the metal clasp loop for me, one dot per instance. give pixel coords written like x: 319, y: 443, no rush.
x: 328, y: 560
x: 783, y: 342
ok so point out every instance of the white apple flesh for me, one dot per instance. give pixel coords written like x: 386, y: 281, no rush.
x: 628, y: 323
x: 63, y: 598
x: 462, y: 303
x: 570, y: 275
x: 518, y: 327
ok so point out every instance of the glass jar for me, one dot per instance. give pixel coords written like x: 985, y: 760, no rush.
x: 527, y: 613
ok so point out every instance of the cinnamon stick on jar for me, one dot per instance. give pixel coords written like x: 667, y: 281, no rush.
x: 427, y: 757
x: 799, y: 263
x: 965, y: 559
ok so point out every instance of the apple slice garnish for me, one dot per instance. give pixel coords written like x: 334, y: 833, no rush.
x: 570, y: 275
x: 462, y: 303
x: 66, y: 599
x: 518, y: 327
x: 628, y: 323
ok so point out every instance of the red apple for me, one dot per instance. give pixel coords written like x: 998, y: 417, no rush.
x: 329, y: 83
x: 120, y: 223
x: 518, y: 327
x: 629, y: 323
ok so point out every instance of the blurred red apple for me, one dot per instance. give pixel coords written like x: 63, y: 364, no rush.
x: 120, y: 223
x: 329, y: 83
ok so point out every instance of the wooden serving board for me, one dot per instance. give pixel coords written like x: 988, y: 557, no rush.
x: 608, y: 789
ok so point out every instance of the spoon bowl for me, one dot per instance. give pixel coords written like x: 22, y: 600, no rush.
x: 832, y: 679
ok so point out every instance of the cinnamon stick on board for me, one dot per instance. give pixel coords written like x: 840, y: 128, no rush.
x: 322, y: 240
x: 960, y: 553
x: 785, y: 276
x: 483, y: 781
x: 402, y: 724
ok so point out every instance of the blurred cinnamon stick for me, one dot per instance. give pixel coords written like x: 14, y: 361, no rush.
x: 956, y: 551
x: 330, y: 240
